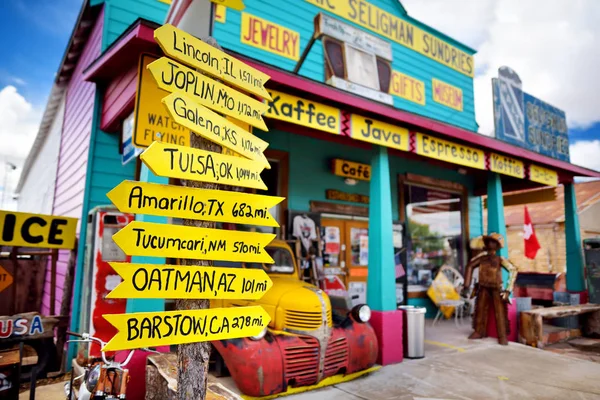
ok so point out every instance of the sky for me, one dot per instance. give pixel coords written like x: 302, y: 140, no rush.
x: 551, y: 44
x: 32, y: 47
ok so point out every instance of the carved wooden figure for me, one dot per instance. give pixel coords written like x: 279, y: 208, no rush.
x: 489, y: 290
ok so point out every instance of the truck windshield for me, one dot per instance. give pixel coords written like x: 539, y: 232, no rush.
x: 284, y: 262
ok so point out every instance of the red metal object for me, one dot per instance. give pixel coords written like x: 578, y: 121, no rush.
x: 276, y: 362
x: 105, y: 278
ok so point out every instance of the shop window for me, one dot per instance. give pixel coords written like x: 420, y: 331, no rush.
x: 435, y: 232
x: 359, y: 246
x: 355, y: 65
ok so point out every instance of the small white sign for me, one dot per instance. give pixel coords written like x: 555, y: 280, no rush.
x: 359, y: 38
x: 361, y: 90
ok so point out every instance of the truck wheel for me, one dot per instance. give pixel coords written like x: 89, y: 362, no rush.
x: 219, y: 368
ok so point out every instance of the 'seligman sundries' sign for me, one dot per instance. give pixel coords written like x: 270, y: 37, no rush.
x: 388, y: 25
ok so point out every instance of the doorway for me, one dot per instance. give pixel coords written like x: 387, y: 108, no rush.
x: 435, y: 214
x: 346, y: 251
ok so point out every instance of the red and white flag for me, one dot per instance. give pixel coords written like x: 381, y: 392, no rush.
x: 531, y: 243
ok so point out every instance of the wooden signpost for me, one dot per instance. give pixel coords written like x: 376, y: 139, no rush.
x: 151, y: 281
x: 215, y: 128
x: 204, y: 166
x: 201, y: 204
x: 159, y: 240
x: 222, y: 152
x: 174, y: 77
x: 137, y: 330
x: 198, y: 54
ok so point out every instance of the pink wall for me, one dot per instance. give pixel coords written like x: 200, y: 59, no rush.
x: 73, y: 155
x: 118, y: 99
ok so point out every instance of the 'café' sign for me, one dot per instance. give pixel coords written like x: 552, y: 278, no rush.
x: 350, y: 169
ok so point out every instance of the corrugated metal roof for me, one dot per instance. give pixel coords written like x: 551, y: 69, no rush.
x: 587, y: 193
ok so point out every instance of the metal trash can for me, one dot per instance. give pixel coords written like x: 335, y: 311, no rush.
x: 414, y: 328
x: 404, y: 328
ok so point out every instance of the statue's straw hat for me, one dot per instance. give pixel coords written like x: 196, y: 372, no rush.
x: 496, y: 237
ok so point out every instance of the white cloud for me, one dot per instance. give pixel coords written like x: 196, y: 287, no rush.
x: 18, y: 81
x: 19, y: 122
x: 586, y: 153
x: 551, y: 44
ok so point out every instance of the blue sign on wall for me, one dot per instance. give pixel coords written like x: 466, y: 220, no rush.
x: 526, y: 121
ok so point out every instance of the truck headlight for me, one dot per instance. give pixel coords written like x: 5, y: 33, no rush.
x: 260, y: 335
x: 361, y: 313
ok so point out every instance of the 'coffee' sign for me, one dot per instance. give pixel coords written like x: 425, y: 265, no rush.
x: 350, y: 169
x: 37, y: 230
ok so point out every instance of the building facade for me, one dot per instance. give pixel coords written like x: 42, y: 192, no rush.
x: 356, y: 86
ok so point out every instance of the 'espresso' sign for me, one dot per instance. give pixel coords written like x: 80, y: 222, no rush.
x: 454, y: 153
x: 350, y: 169
x: 304, y: 112
x: 377, y: 132
x: 37, y: 230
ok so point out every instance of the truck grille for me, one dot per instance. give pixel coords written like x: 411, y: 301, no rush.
x: 336, y: 357
x: 305, y: 321
x: 301, y: 362
x: 301, y: 358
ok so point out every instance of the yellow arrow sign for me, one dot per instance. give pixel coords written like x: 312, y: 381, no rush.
x: 153, y: 329
x: 201, y: 165
x: 174, y: 77
x: 150, y: 281
x: 201, y: 204
x: 235, y: 4
x: 210, y: 125
x: 178, y: 241
x: 194, y: 52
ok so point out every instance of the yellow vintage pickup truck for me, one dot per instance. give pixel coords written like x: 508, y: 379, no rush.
x: 306, y: 342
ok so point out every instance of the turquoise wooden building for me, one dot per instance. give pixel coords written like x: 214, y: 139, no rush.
x: 352, y: 80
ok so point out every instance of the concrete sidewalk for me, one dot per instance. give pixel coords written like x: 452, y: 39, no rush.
x: 458, y: 368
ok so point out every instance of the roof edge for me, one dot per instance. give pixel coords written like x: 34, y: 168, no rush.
x: 323, y: 91
x: 56, y: 96
x: 82, y: 26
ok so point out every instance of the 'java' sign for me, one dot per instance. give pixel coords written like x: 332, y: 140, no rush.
x: 37, y: 230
